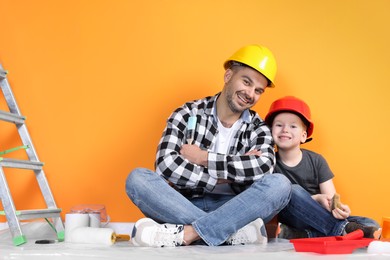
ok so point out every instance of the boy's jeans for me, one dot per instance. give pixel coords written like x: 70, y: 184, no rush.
x: 214, y: 217
x: 304, y: 213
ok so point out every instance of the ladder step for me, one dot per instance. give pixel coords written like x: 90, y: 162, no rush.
x: 39, y: 213
x: 21, y: 164
x: 12, y: 118
x: 36, y: 213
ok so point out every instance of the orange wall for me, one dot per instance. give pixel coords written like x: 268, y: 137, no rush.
x: 97, y: 80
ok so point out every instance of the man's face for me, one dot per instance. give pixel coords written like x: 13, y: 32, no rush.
x: 243, y: 88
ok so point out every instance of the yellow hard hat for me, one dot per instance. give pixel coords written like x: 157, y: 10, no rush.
x: 257, y: 57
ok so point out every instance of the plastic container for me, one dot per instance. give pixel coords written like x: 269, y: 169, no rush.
x: 385, y: 229
x: 332, y: 245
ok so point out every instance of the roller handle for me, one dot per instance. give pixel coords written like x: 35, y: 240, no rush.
x: 121, y: 237
x: 357, y: 234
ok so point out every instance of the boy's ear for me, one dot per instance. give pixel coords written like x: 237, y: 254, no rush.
x: 303, y: 137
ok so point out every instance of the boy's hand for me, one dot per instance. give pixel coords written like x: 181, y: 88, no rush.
x: 339, y: 210
x: 323, y: 200
x: 342, y: 212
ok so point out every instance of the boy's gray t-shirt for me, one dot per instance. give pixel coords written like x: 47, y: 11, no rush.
x: 309, y: 173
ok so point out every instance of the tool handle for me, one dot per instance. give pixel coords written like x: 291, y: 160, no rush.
x: 357, y: 234
x: 121, y: 237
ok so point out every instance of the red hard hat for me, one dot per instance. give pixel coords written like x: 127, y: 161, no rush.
x: 291, y: 104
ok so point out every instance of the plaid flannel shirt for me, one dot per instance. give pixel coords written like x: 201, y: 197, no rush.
x: 241, y: 169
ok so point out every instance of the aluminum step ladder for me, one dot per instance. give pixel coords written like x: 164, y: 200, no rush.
x: 51, y: 213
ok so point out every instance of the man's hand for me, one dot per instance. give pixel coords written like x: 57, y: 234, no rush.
x: 198, y: 156
x: 194, y: 154
x: 253, y: 152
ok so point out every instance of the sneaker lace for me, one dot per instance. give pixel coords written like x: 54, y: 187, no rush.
x: 239, y: 238
x: 168, y: 236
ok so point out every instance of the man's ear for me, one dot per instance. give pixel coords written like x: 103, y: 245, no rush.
x: 228, y: 75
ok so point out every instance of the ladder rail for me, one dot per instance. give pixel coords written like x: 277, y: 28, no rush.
x: 9, y: 97
x: 15, y: 116
x: 2, y: 73
x: 9, y: 207
x: 26, y: 140
x: 45, y: 188
x: 14, y: 109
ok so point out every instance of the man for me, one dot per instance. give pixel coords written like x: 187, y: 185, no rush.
x: 218, y: 188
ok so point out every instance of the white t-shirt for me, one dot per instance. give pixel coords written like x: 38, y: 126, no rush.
x: 222, y: 144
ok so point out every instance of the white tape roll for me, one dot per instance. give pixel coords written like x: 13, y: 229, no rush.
x: 90, y: 235
x: 94, y: 220
x: 73, y: 221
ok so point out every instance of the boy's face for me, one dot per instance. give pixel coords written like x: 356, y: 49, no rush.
x: 288, y: 131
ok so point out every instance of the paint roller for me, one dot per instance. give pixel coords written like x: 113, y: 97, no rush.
x: 90, y: 235
x: 78, y: 230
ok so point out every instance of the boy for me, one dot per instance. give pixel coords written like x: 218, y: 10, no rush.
x: 291, y: 124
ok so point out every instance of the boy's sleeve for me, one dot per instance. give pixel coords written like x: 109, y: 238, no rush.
x: 324, y: 171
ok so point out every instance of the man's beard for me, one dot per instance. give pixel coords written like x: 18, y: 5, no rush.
x: 231, y: 104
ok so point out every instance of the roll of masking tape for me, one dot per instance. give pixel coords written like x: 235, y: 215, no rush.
x: 90, y: 235
x: 73, y: 221
x: 94, y: 219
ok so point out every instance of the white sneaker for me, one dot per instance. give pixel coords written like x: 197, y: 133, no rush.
x: 252, y: 233
x: 147, y: 232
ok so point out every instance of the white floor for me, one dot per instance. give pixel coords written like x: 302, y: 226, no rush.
x: 277, y: 249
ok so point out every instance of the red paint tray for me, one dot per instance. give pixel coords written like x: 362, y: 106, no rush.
x: 332, y: 245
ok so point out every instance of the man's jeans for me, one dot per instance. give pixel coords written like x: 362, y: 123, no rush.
x: 214, y: 218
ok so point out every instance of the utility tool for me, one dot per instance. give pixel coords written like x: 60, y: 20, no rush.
x: 191, y: 126
x: 335, y: 201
